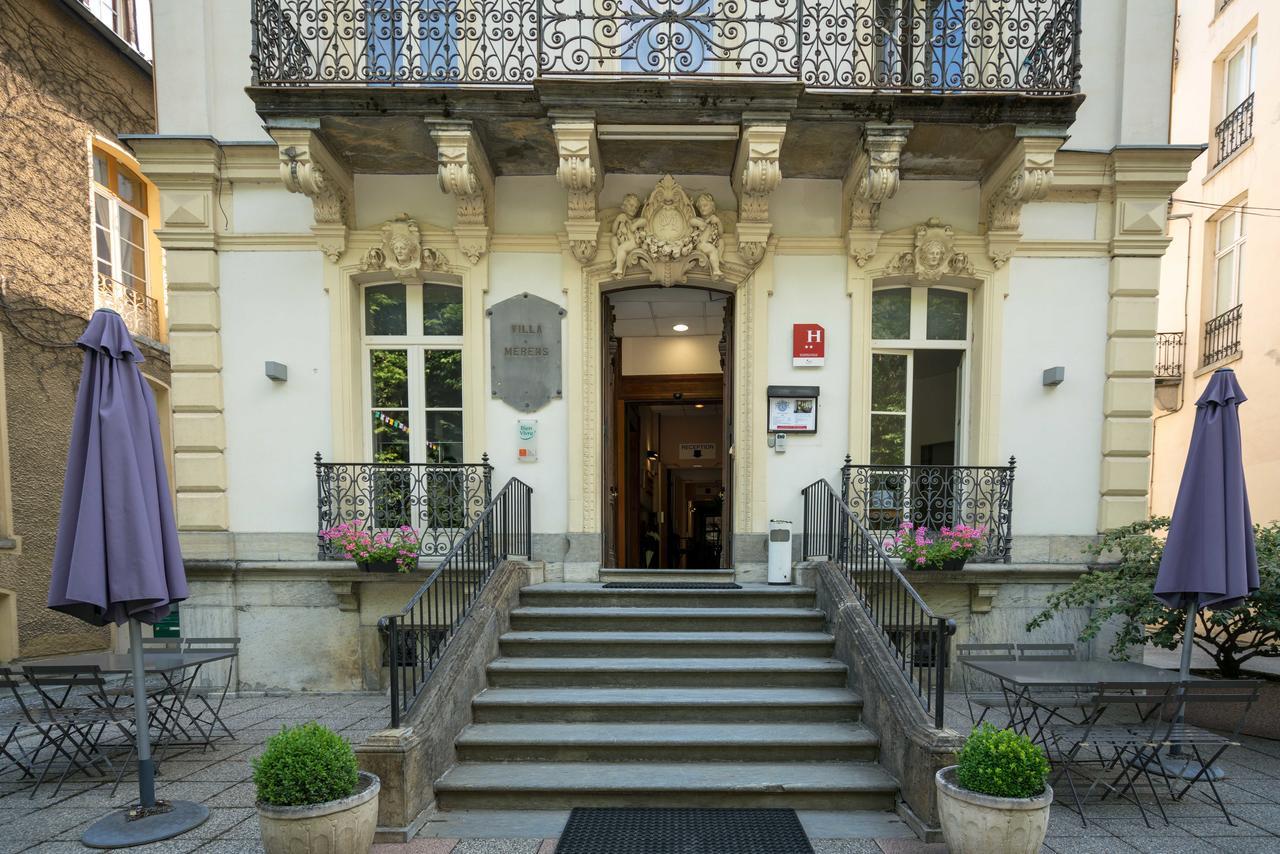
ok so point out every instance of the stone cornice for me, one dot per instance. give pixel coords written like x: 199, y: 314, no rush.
x: 465, y: 174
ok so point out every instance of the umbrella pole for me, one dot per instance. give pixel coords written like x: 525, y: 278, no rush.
x: 146, y: 767
x: 1179, y: 764
x: 149, y: 821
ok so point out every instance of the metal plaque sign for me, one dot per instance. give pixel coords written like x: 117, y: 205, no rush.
x: 524, y: 351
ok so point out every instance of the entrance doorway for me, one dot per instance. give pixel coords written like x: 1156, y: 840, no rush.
x: 667, y: 427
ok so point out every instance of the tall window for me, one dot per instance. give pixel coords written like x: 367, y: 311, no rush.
x: 413, y: 370
x: 1229, y: 262
x: 129, y: 19
x: 920, y: 337
x: 1241, y: 76
x: 119, y: 222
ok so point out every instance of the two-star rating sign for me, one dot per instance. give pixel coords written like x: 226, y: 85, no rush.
x: 808, y: 345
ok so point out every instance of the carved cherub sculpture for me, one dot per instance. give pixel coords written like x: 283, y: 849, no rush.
x: 708, y: 232
x: 627, y: 227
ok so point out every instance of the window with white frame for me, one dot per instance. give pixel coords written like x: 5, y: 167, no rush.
x: 413, y: 372
x: 128, y: 19
x: 1228, y: 261
x: 919, y: 343
x: 119, y: 222
x: 1241, y: 76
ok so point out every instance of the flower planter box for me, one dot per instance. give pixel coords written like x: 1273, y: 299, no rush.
x: 378, y: 566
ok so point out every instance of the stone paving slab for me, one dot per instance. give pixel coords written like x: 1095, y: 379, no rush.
x: 220, y: 777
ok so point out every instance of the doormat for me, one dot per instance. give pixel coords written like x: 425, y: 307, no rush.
x: 672, y: 585
x: 683, y: 831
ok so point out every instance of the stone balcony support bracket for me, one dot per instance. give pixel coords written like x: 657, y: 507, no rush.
x: 755, y: 176
x: 872, y: 178
x: 1023, y: 175
x: 309, y: 168
x: 580, y: 173
x: 465, y: 174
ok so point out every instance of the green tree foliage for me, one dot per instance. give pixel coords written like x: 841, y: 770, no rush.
x: 1124, y: 592
x: 1001, y: 763
x: 306, y: 764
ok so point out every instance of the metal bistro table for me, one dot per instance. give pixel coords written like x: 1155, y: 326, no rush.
x: 171, y: 667
x: 1037, y: 692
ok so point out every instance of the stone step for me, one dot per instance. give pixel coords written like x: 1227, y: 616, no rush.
x: 667, y: 672
x: 576, y: 594
x: 673, y: 705
x: 642, y: 619
x: 556, y: 785
x: 667, y: 742
x: 720, y: 576
x: 667, y: 644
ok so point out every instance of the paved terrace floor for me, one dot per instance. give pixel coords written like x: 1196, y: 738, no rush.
x: 221, y: 778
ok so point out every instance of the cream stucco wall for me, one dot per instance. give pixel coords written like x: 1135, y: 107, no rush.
x: 1250, y: 178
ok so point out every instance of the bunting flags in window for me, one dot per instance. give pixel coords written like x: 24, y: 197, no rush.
x: 391, y: 422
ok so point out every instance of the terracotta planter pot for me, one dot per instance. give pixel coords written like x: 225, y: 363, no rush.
x: 378, y: 566
x: 973, y: 823
x: 345, y: 826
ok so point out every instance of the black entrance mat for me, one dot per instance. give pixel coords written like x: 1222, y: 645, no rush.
x: 672, y: 585
x: 683, y: 831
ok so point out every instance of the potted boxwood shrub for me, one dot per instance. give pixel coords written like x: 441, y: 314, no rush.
x: 995, y: 798
x: 312, y: 796
x: 381, y: 551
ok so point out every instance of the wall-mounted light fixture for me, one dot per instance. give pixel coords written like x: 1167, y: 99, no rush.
x: 277, y: 372
x: 1053, y: 376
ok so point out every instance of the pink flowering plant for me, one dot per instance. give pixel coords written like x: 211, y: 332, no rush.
x: 364, y: 546
x: 920, y: 548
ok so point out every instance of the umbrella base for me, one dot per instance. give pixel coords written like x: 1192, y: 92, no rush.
x: 118, y: 830
x: 1181, y: 767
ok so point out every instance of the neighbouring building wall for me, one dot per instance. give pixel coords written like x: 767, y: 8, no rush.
x: 64, y: 86
x: 1233, y: 187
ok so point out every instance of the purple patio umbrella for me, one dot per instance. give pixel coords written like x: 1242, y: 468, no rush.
x: 117, y: 558
x: 1209, y: 559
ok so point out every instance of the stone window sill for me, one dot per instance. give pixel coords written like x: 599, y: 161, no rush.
x: 1208, y: 369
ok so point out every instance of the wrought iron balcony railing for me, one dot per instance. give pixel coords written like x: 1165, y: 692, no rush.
x: 141, y: 313
x: 883, y: 497
x: 1222, y: 336
x: 1170, y: 355
x: 1235, y: 130
x: 438, y: 500
x: 961, y: 46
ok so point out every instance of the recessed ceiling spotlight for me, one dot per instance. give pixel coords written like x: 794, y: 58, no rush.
x: 698, y: 405
x: 681, y: 327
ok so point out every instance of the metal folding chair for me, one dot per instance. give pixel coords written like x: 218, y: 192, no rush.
x: 1122, y: 754
x: 1047, y: 652
x: 214, y: 709
x: 984, y: 700
x: 19, y: 719
x: 1206, y: 747
x: 77, y: 712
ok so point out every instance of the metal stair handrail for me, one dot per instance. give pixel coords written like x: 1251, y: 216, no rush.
x: 419, y: 633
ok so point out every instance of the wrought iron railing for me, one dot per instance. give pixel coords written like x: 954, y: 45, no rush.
x: 1222, y: 336
x: 438, y: 500
x: 1170, y: 355
x: 916, y: 637
x: 140, y: 312
x: 1018, y: 46
x: 419, y: 633
x: 1235, y: 130
x: 883, y: 497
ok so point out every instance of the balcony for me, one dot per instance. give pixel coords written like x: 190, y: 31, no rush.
x: 140, y: 312
x: 1170, y: 357
x: 929, y: 496
x: 1222, y: 336
x: 369, y: 71
x: 1234, y: 131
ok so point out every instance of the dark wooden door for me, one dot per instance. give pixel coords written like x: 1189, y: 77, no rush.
x: 726, y: 407
x: 610, y: 372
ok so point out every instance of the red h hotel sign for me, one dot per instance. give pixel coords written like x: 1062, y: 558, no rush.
x: 808, y: 345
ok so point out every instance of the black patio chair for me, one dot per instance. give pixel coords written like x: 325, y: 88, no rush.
x: 976, y: 699
x: 214, y: 709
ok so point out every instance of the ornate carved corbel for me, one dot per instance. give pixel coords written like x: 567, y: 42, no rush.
x: 1024, y: 175
x: 756, y: 175
x: 465, y: 175
x: 309, y: 168
x: 872, y: 178
x: 580, y: 173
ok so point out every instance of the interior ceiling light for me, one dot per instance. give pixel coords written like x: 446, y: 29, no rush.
x: 681, y: 327
x: 698, y: 405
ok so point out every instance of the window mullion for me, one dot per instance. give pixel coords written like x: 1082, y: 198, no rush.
x: 417, y: 404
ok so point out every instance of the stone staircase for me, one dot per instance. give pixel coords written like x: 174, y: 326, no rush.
x: 661, y: 697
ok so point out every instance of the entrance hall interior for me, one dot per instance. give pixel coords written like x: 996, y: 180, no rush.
x: 671, y: 433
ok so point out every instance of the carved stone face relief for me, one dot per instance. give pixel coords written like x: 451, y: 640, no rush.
x: 402, y: 253
x: 934, y: 255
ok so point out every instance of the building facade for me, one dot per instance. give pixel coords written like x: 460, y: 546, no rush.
x: 1217, y: 307
x: 443, y: 247
x: 75, y: 234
